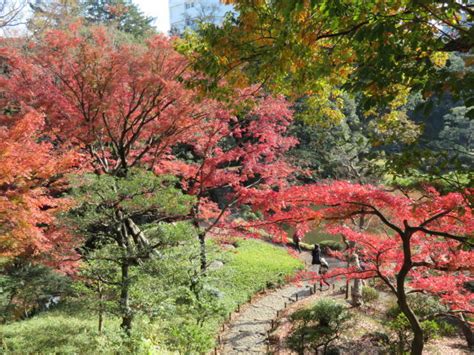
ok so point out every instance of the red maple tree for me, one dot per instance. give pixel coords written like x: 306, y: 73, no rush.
x: 30, y: 171
x: 123, y: 104
x: 232, y: 153
x: 420, y: 243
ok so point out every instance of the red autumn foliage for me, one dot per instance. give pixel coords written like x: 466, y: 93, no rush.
x: 237, y: 151
x: 420, y: 238
x: 123, y: 104
x: 28, y: 172
x: 418, y: 244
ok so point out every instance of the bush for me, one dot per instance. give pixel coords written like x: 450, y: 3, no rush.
x: 189, y: 338
x: 59, y: 332
x: 27, y: 289
x: 446, y: 329
x: 369, y: 294
x: 402, y: 328
x: 393, y: 311
x: 54, y: 333
x: 317, y: 326
x: 430, y: 329
x: 425, y: 306
x: 378, y: 338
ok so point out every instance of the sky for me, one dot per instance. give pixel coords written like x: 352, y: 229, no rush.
x: 157, y: 9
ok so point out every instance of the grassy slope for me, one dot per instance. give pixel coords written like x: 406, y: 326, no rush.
x: 251, y: 267
x: 254, y: 266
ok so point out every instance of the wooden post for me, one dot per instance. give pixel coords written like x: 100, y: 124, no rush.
x: 347, y: 288
x: 296, y: 296
x: 238, y: 308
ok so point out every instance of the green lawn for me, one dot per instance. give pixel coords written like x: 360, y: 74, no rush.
x: 255, y: 265
x: 251, y: 267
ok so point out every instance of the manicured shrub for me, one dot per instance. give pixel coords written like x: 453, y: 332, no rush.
x: 369, y: 294
x: 425, y: 306
x: 446, y: 329
x: 317, y: 326
x: 402, y: 329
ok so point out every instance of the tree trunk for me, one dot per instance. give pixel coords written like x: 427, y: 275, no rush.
x: 467, y: 331
x: 101, y: 308
x: 418, y: 341
x: 356, y: 292
x: 203, y: 256
x: 127, y: 315
x: 464, y: 326
x: 202, y: 238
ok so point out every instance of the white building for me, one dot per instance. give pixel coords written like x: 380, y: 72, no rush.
x: 188, y: 13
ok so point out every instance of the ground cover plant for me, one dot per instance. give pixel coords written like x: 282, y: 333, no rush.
x: 248, y: 269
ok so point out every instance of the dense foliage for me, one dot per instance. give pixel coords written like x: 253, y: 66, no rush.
x: 131, y: 163
x: 72, y: 325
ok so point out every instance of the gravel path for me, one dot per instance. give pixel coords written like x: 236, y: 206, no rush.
x: 247, y: 331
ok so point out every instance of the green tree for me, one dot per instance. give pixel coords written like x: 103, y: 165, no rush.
x: 47, y: 14
x: 124, y: 220
x: 377, y: 47
x: 444, y: 153
x: 121, y: 14
x: 457, y: 136
x: 26, y: 289
x: 341, y: 150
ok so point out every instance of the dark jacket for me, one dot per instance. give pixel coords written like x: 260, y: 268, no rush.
x: 316, y: 253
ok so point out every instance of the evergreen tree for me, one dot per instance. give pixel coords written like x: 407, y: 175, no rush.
x: 119, y: 217
x: 47, y: 14
x: 122, y: 14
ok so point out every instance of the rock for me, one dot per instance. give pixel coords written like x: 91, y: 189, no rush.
x: 216, y: 264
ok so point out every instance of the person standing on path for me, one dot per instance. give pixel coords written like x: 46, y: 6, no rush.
x: 296, y: 241
x: 323, y: 269
x: 316, y: 255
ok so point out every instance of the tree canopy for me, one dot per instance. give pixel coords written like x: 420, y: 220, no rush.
x: 381, y: 48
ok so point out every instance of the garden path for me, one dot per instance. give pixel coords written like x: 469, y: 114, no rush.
x: 246, y: 332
